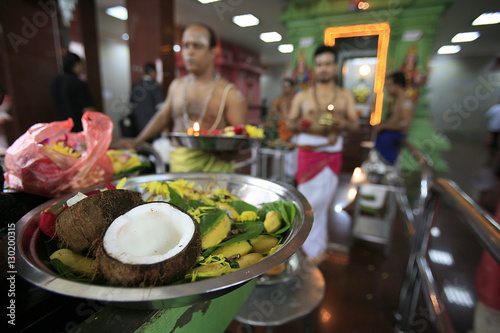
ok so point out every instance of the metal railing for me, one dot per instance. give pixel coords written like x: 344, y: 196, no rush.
x: 482, y: 226
x: 413, y: 217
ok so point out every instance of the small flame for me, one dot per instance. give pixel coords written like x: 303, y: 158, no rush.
x: 196, y: 126
x: 358, y: 176
x: 330, y: 107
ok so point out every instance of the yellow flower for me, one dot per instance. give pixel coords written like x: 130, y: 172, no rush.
x: 63, y: 149
x: 219, y: 259
x: 248, y: 216
x: 182, y: 187
x: 158, y: 188
x: 254, y: 131
x: 199, y: 212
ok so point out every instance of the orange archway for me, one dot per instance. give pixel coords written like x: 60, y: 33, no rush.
x: 382, y: 30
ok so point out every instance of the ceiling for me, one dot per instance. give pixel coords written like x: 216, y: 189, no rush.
x: 457, y: 18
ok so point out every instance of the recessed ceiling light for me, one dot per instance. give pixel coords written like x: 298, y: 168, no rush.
x: 246, y: 20
x: 177, y: 48
x: 459, y: 295
x: 487, y: 18
x: 207, y: 1
x: 449, y: 49
x: 465, y: 37
x: 118, y: 12
x: 441, y: 257
x: 270, y: 37
x: 125, y: 36
x: 285, y: 48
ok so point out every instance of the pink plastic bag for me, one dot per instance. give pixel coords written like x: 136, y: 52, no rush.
x: 33, y: 167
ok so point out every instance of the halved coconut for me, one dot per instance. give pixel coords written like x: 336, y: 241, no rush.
x: 151, y: 244
x: 82, y: 225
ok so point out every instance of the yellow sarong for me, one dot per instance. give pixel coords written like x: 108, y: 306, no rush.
x: 184, y: 159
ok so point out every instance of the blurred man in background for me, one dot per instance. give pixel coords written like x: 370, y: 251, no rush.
x: 71, y: 95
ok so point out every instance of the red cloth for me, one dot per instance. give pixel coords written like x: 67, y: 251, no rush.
x: 310, y: 163
x: 488, y: 277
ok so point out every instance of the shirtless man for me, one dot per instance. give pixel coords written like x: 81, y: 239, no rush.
x: 318, y: 116
x: 280, y: 108
x: 201, y: 96
x: 395, y: 127
x: 281, y: 104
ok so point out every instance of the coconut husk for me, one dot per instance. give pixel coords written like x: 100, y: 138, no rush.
x: 82, y: 225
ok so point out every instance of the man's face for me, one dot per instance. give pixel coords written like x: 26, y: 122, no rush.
x: 325, y: 67
x: 287, y: 87
x: 78, y: 68
x: 196, y: 51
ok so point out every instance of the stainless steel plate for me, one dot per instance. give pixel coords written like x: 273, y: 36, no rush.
x: 214, y: 142
x: 250, y: 189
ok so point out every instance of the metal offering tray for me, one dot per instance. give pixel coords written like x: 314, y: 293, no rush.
x: 31, y: 257
x: 215, y: 142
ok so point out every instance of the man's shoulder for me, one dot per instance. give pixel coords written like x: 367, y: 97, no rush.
x: 176, y: 83
x: 223, y: 83
x: 304, y: 92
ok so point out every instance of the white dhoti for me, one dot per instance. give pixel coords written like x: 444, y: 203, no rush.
x: 291, y: 162
x: 320, y: 192
x: 317, y: 179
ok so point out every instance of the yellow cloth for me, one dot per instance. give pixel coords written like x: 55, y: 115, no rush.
x: 192, y: 160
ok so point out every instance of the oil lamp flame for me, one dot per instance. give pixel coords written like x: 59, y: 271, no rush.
x: 196, y: 128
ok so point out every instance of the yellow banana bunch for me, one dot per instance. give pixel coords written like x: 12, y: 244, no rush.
x: 75, y: 261
x: 123, y: 161
x: 217, y: 234
x: 272, y: 223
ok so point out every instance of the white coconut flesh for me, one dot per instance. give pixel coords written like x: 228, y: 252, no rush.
x: 148, y: 234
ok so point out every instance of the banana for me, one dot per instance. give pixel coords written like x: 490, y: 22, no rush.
x: 217, y: 234
x: 272, y: 223
x: 249, y: 259
x: 233, y: 214
x: 263, y: 243
x: 190, y: 194
x: 75, y: 261
x: 241, y: 248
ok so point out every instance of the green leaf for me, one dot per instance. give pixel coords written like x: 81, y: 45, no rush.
x: 242, y: 206
x: 252, y: 230
x: 176, y: 199
x: 287, y: 211
x: 210, y: 220
x: 195, y: 204
x: 233, y: 264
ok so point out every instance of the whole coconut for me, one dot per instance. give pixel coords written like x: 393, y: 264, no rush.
x: 152, y: 244
x: 82, y: 225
